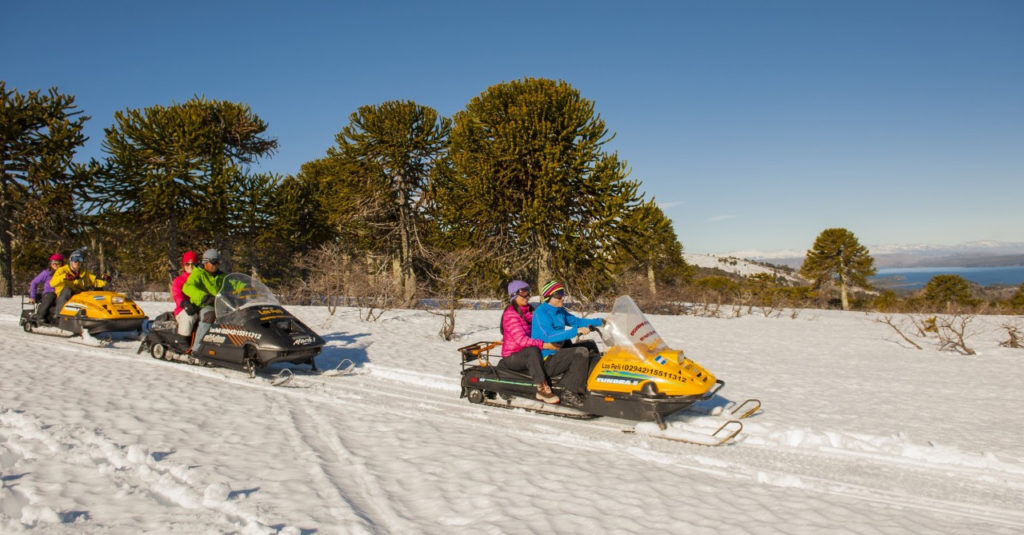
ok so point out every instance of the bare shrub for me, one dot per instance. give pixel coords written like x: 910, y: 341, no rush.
x: 898, y: 327
x: 1014, y: 340
x: 337, y: 277
x: 451, y: 281
x: 952, y: 333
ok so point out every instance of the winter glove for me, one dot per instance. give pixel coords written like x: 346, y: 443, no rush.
x: 189, y: 308
x: 70, y: 277
x: 207, y: 300
x: 209, y: 317
x: 107, y: 277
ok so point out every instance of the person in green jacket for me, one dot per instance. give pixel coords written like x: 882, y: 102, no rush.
x: 201, y: 288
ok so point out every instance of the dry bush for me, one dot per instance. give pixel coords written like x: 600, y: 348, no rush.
x: 1014, y: 336
x: 337, y: 277
x: 898, y: 327
x: 951, y: 331
x: 451, y: 281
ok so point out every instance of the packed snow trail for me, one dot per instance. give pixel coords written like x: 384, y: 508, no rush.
x: 392, y: 449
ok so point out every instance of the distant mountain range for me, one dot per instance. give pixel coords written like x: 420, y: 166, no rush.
x: 970, y: 254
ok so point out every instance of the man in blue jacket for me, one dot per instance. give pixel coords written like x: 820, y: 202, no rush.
x: 552, y: 323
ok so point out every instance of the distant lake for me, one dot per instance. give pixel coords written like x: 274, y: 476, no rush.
x: 914, y: 278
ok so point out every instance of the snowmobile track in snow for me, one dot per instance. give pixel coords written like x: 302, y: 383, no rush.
x: 981, y: 492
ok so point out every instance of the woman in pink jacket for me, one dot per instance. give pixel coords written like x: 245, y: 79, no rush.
x: 520, y: 352
x: 184, y: 310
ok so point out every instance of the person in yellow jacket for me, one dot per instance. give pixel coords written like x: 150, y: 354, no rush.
x: 72, y: 278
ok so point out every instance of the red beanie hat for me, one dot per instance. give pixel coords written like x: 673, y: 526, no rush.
x: 188, y: 257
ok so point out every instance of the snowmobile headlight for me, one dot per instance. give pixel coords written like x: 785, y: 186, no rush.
x: 117, y: 299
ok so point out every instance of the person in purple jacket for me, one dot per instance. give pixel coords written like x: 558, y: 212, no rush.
x: 40, y: 288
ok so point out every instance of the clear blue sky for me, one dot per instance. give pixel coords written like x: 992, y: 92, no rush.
x: 756, y: 124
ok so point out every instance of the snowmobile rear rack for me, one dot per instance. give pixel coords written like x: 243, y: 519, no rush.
x: 478, y: 351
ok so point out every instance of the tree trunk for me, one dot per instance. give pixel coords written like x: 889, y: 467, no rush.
x: 651, y: 283
x: 6, y: 269
x: 842, y: 283
x: 543, y: 266
x: 407, y: 281
x: 396, y: 273
x: 173, y: 248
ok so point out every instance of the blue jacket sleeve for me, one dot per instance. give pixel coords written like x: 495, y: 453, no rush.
x: 582, y: 322
x: 544, y: 327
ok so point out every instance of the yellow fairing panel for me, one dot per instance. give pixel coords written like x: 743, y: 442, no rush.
x: 620, y: 371
x: 102, y: 305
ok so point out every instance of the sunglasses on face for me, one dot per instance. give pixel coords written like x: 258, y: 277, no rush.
x: 56, y: 263
x: 523, y: 293
x: 192, y: 264
x: 214, y: 262
x: 558, y: 295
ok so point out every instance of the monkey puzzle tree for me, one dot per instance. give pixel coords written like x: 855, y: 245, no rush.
x: 947, y: 291
x: 385, y: 158
x: 39, y: 133
x: 530, y: 172
x: 837, y: 256
x: 177, y: 169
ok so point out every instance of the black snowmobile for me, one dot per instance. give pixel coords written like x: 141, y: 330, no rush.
x: 638, y: 377
x: 252, y: 331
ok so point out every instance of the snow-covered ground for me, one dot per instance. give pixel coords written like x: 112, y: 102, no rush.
x: 733, y: 264
x: 860, y: 433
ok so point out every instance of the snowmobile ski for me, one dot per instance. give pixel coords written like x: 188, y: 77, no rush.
x: 726, y: 432
x: 741, y: 410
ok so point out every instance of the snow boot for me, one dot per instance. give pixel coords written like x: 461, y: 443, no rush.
x: 545, y: 394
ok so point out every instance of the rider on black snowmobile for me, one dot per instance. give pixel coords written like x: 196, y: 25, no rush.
x: 201, y: 288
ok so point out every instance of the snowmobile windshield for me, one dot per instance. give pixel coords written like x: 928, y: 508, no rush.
x: 241, y: 291
x: 628, y: 329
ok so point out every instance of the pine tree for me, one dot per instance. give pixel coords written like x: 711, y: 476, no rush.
x: 39, y: 133
x: 385, y: 158
x: 177, y: 170
x: 531, y: 174
x: 948, y: 291
x: 647, y: 241
x: 838, y: 256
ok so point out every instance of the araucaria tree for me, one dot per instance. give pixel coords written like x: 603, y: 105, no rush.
x: 837, y: 256
x: 39, y: 133
x: 530, y: 173
x: 177, y: 170
x: 384, y: 160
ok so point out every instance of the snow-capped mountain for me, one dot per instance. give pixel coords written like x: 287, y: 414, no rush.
x: 968, y: 254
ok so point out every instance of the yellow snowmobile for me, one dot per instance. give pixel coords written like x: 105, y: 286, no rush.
x: 87, y: 313
x: 637, y: 378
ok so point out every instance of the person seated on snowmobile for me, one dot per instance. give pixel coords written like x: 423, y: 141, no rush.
x: 74, y: 278
x: 201, y: 288
x: 553, y: 324
x: 519, y: 352
x: 185, y: 312
x: 42, y: 282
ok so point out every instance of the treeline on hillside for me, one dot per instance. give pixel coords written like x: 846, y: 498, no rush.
x: 406, y: 205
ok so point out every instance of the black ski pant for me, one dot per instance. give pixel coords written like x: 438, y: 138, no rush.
x: 64, y: 297
x: 527, y: 360
x: 589, y: 344
x: 43, y: 308
x: 574, y: 362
